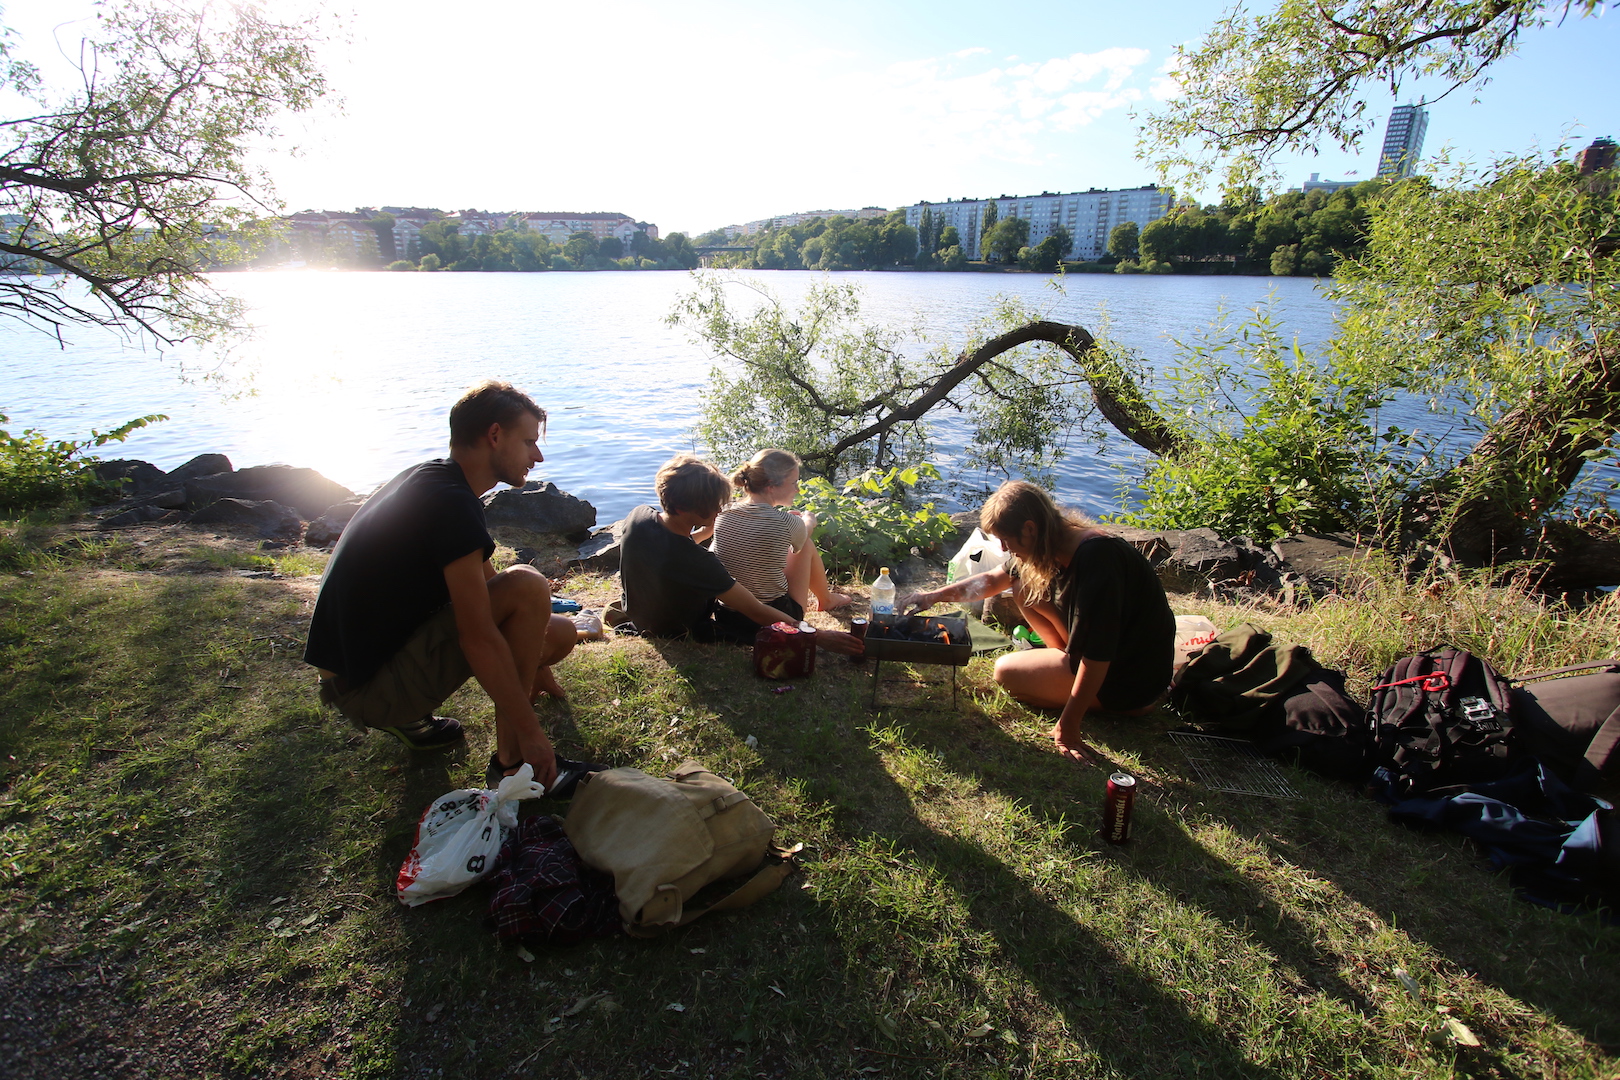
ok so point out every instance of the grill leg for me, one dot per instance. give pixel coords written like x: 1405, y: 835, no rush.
x: 877, y: 680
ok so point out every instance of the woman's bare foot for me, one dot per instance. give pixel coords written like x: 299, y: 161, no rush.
x: 1072, y: 746
x: 546, y: 683
x: 835, y: 600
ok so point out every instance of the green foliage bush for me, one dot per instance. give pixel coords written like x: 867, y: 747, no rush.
x: 1280, y: 443
x: 36, y: 471
x: 875, y: 518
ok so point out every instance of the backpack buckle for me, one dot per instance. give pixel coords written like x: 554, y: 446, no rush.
x: 1478, y: 714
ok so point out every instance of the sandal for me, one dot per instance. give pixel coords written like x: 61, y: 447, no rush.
x: 428, y: 733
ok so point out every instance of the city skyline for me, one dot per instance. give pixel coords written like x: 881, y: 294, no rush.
x: 723, y: 112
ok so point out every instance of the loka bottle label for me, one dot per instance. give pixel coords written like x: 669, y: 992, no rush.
x: 1117, y: 808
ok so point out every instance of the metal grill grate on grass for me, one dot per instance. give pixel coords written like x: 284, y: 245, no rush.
x: 1232, y: 765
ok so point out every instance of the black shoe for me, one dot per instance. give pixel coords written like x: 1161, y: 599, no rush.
x: 569, y: 774
x: 428, y: 733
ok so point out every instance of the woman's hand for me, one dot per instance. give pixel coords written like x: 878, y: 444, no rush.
x: 1072, y: 746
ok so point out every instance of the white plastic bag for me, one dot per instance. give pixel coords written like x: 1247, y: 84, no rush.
x: 459, y: 837
x: 588, y: 624
x: 1193, y: 632
x: 979, y: 554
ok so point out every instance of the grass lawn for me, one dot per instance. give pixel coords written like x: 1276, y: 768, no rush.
x: 197, y: 866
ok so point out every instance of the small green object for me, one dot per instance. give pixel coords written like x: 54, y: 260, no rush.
x: 1024, y: 633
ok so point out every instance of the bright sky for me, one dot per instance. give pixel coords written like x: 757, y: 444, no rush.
x: 713, y: 112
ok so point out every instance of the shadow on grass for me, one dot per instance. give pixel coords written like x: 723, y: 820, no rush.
x: 291, y: 802
x: 1435, y: 888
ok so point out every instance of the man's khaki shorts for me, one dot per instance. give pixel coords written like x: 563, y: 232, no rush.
x: 414, y: 682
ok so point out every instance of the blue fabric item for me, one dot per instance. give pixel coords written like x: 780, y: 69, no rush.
x: 1554, y: 840
x: 564, y: 606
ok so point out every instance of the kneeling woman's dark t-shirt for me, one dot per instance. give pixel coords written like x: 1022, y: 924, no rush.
x: 1115, y: 608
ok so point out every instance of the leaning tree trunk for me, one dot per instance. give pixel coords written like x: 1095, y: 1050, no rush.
x: 1115, y: 393
x: 1485, y: 510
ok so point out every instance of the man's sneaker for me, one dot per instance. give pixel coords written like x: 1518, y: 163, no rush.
x: 569, y: 774
x: 428, y: 733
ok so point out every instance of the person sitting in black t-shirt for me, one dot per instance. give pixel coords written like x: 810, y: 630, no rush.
x: 410, y: 607
x: 1093, y: 599
x: 670, y: 581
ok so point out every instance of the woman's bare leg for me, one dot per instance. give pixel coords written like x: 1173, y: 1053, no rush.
x: 1039, y: 677
x: 1043, y: 617
x: 807, y: 574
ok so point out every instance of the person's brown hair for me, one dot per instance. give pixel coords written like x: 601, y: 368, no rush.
x: 489, y: 402
x: 1005, y: 513
x: 688, y: 484
x: 765, y: 469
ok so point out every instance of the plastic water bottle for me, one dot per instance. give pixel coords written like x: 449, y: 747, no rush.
x: 883, y: 594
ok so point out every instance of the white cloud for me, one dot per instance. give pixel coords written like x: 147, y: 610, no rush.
x: 1167, y: 84
x: 1004, y: 112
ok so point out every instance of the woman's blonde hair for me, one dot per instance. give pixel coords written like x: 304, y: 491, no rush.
x: 1005, y: 513
x: 688, y: 483
x: 765, y: 469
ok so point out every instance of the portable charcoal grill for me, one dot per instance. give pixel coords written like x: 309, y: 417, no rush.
x: 917, y: 639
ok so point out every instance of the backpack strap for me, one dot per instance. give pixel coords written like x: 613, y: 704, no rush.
x: 1566, y: 670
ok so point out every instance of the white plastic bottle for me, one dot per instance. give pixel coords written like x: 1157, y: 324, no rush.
x: 883, y: 594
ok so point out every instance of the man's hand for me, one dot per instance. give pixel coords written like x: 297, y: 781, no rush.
x: 836, y: 641
x: 537, y: 751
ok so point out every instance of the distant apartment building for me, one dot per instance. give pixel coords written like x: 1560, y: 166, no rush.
x: 559, y: 226
x: 350, y: 236
x: 345, y: 235
x: 1315, y: 183
x: 1600, y: 155
x: 1403, y: 141
x: 17, y: 228
x: 1089, y: 216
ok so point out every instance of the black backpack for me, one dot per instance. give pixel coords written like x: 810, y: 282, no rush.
x: 1440, y: 720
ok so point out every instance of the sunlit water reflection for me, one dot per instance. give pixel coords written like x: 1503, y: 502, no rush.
x: 353, y: 374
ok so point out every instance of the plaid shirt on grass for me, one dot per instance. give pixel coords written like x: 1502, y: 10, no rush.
x: 544, y: 894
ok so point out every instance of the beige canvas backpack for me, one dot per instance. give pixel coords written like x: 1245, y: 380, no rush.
x: 663, y: 840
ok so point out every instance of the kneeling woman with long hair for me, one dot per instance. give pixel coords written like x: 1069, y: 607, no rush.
x: 1095, y: 601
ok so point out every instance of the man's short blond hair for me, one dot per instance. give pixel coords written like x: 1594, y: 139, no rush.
x: 688, y: 484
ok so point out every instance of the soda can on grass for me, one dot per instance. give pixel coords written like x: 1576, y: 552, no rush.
x: 1117, y: 806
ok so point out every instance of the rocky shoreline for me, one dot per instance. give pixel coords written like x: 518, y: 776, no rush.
x: 285, y: 506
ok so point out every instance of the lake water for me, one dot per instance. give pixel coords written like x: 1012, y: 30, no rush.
x: 353, y: 374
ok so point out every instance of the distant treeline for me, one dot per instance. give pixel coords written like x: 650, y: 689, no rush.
x: 1293, y: 233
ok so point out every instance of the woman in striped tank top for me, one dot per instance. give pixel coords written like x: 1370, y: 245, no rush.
x: 767, y: 548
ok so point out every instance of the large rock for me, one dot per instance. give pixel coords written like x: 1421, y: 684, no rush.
x: 540, y: 507
x: 601, y: 551
x: 305, y: 490
x: 325, y: 530
x: 264, y: 518
x: 132, y: 477
x: 201, y: 465
x: 142, y: 515
x: 1197, y: 560
x: 1328, y: 562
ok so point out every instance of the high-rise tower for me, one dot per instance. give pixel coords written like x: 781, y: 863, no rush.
x: 1403, y: 141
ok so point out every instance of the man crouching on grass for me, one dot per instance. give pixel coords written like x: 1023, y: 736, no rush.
x: 410, y: 606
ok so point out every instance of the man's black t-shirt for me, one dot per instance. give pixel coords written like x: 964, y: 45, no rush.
x: 1115, y: 608
x: 668, y: 580
x: 386, y: 577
